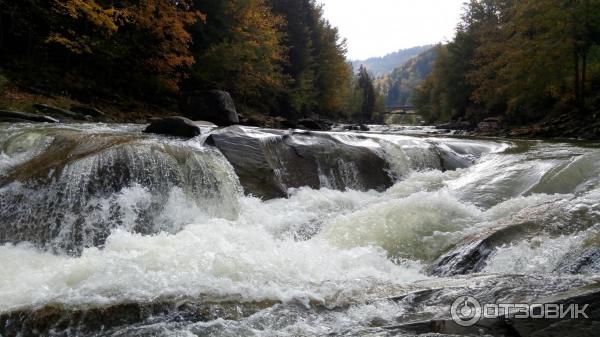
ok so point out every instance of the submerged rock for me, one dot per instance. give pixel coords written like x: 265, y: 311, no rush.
x: 173, y: 126
x: 215, y: 106
x: 423, y: 308
x: 471, y: 255
x: 17, y: 116
x: 58, y: 320
x: 550, y: 219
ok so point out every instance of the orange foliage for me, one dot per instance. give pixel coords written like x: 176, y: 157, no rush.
x: 160, y: 24
x: 166, y: 20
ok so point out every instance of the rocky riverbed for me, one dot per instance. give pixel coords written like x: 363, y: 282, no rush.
x: 109, y: 231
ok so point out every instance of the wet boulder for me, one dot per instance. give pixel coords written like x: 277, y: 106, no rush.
x: 268, y: 163
x: 66, y: 197
x: 472, y: 254
x: 336, y: 164
x: 250, y: 158
x: 117, y: 319
x: 214, y: 106
x: 17, y: 116
x: 173, y: 126
x: 355, y: 127
x: 313, y: 124
x: 585, y: 323
x: 428, y: 305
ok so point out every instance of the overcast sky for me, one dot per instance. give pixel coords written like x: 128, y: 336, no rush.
x: 378, y: 27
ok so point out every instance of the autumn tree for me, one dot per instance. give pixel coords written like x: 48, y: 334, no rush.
x: 239, y: 49
x: 147, y: 39
x: 273, y: 56
x: 332, y: 70
x: 522, y: 59
x: 80, y: 25
x: 541, y: 53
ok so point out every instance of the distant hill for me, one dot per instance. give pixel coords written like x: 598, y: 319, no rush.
x: 379, y: 66
x: 399, y: 85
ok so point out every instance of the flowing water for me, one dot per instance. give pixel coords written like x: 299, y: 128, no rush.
x: 99, y: 216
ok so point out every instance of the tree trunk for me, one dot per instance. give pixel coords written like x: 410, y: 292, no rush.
x: 583, y: 78
x: 576, y: 77
x: 1, y: 31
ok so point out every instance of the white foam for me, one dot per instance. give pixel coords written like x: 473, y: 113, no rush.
x: 254, y: 256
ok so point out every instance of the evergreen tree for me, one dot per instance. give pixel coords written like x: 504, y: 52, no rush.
x: 315, y: 61
x: 367, y: 91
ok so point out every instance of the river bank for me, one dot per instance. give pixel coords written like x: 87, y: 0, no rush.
x: 566, y: 126
x: 563, y: 126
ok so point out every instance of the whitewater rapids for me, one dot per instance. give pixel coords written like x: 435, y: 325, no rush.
x: 334, y: 248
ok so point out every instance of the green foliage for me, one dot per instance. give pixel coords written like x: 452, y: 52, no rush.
x: 382, y: 66
x: 402, y: 82
x: 239, y: 49
x: 522, y: 59
x: 365, y: 103
x: 316, y: 61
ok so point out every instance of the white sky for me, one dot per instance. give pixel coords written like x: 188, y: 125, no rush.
x: 378, y: 27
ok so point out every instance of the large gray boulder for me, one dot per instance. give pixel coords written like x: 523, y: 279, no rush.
x: 17, y: 116
x: 271, y: 163
x: 173, y: 126
x: 250, y: 159
x: 215, y: 106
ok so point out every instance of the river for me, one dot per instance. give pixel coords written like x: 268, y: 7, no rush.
x: 106, y: 231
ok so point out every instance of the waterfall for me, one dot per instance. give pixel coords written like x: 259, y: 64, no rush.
x: 84, y: 185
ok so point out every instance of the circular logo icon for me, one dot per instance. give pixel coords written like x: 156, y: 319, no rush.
x: 466, y: 311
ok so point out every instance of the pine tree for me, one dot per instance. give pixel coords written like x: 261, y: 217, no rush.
x: 367, y: 90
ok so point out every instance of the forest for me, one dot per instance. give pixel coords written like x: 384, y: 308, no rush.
x: 278, y: 57
x: 399, y: 85
x: 522, y: 61
x: 383, y: 65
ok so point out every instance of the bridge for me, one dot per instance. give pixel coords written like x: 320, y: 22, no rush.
x: 400, y: 110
